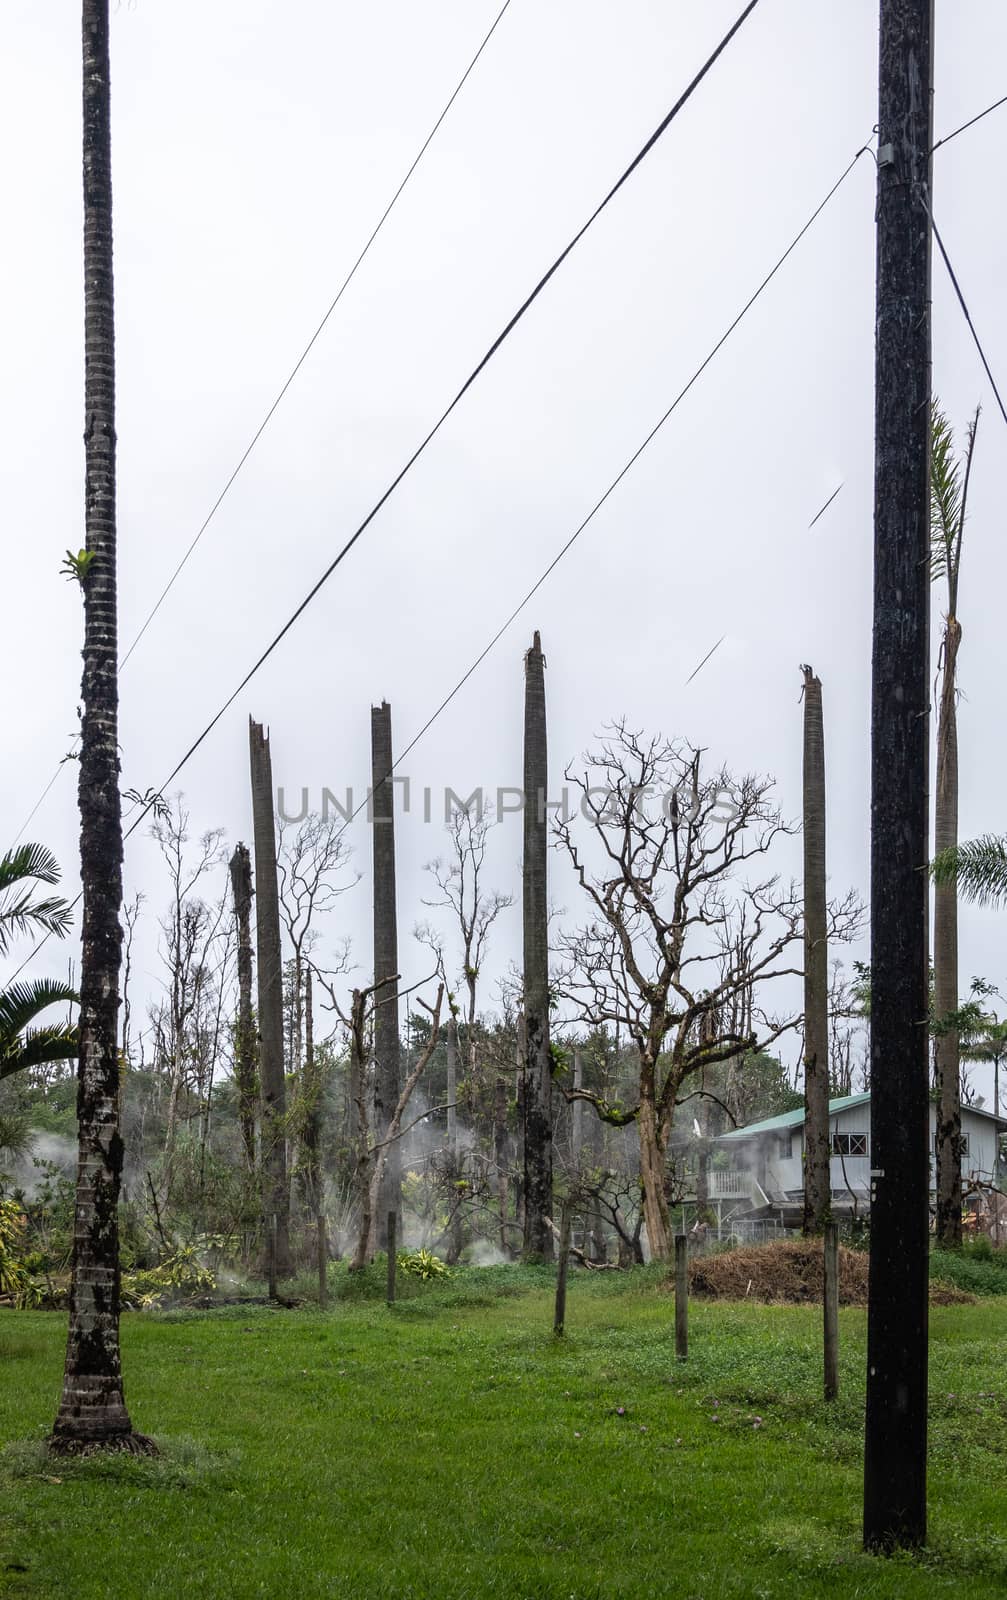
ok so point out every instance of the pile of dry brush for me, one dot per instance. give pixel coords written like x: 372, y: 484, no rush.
x: 790, y: 1272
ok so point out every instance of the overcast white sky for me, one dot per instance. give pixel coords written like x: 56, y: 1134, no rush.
x: 255, y: 146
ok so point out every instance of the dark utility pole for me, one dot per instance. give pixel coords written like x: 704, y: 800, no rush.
x: 386, y: 964
x: 895, y: 1513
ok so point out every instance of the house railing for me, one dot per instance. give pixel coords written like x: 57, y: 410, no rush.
x: 726, y: 1184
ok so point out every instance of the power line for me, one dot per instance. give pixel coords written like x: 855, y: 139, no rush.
x: 630, y: 463
x: 712, y: 651
x: 38, y: 802
x: 824, y: 508
x: 505, y: 333
x: 967, y: 315
x: 971, y: 123
x: 599, y: 503
x: 314, y: 337
x: 263, y: 425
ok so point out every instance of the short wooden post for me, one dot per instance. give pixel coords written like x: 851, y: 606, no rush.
x: 559, y: 1316
x: 392, y: 1258
x: 681, y: 1296
x: 323, y: 1262
x: 831, y: 1304
x: 271, y: 1255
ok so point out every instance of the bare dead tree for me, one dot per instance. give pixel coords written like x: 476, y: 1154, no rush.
x: 190, y: 931
x: 847, y: 1034
x: 668, y: 956
x: 374, y: 1143
x: 312, y: 874
x: 130, y: 916
x: 473, y: 909
x: 310, y: 864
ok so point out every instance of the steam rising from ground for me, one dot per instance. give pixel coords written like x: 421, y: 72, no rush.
x: 45, y: 1147
x: 485, y: 1254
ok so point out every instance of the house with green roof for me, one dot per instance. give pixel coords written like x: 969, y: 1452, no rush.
x: 758, y: 1169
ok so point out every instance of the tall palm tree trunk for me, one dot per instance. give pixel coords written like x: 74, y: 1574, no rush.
x: 537, y: 1058
x: 311, y: 1090
x: 817, y: 1173
x: 577, y: 1112
x: 949, y: 492
x: 501, y: 1145
x: 947, y: 1047
x: 92, y: 1410
x: 244, y: 1043
x: 386, y: 965
x: 272, y: 1084
x: 451, y: 1050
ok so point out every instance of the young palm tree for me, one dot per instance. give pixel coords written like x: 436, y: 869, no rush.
x: 978, y: 868
x: 22, y: 1045
x: 92, y: 1412
x: 949, y: 486
x: 20, y: 911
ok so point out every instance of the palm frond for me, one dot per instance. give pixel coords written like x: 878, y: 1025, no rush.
x: 945, y: 491
x: 22, y: 1003
x: 990, y: 1044
x: 20, y: 912
x: 28, y: 861
x: 39, y: 1047
x: 26, y: 915
x: 15, y: 1135
x: 979, y: 867
x: 949, y: 487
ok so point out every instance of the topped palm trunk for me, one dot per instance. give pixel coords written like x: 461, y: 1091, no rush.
x: 537, y: 1097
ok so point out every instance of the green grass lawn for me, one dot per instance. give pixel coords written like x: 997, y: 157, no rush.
x: 450, y: 1449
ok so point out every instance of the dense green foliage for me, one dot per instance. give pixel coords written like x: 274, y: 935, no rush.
x: 422, y: 1264
x: 978, y: 1267
x: 449, y: 1448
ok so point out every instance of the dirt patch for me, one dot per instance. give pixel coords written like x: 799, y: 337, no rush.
x: 791, y: 1272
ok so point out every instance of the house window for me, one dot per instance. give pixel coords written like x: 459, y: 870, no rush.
x: 849, y: 1144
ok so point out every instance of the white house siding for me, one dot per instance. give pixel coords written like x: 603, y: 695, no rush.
x: 980, y: 1157
x: 775, y: 1158
x: 851, y: 1173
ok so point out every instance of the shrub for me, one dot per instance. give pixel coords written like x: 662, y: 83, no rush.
x: 422, y: 1264
x: 971, y: 1270
x: 16, y: 1278
x: 179, y: 1275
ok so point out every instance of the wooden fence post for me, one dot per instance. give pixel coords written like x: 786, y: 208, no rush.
x: 271, y: 1255
x: 681, y: 1296
x: 559, y: 1316
x: 323, y: 1263
x: 831, y: 1307
x: 392, y: 1258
